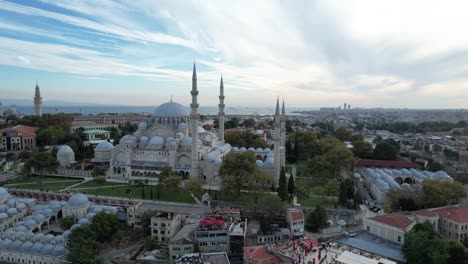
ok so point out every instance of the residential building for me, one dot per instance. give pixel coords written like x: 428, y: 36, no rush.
x: 96, y: 136
x: 18, y: 138
x: 391, y: 227
x: 295, y: 219
x: 182, y: 243
x: 205, y: 258
x: 453, y: 222
x: 164, y: 226
x: 462, y: 164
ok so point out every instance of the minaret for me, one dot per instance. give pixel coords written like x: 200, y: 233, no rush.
x: 283, y: 135
x: 38, y: 101
x: 221, y: 111
x: 195, y: 171
x: 277, y: 142
x: 1, y: 109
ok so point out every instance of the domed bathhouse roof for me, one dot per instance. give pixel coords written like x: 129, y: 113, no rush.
x: 12, y: 211
x: 26, y: 246
x: 259, y: 150
x: 58, y: 250
x: 218, y: 161
x: 3, y: 192
x: 171, y: 109
x: 242, y: 149
x: 104, y: 146
x: 47, y: 249
x: 64, y: 150
x: 78, y: 200
x: 3, y: 216
x: 36, y: 248
x: 251, y: 149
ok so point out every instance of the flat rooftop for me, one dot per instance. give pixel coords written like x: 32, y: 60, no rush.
x: 205, y: 258
x: 375, y: 245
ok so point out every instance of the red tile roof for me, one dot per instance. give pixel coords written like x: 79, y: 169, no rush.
x: 426, y: 213
x: 296, y: 215
x: 261, y: 255
x: 385, y: 164
x: 27, y: 131
x: 396, y: 220
x: 457, y: 214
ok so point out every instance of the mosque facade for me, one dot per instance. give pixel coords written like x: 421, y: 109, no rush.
x: 174, y: 137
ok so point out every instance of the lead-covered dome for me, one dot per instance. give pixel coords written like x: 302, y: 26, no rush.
x: 104, y: 146
x: 3, y: 192
x: 77, y: 200
x: 64, y: 150
x: 171, y: 109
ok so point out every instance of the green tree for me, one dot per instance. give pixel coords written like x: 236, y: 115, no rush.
x: 465, y: 242
x: 317, y: 165
x: 166, y: 173
x: 342, y: 134
x: 245, y: 139
x: 456, y: 253
x: 291, y: 186
x: 270, y: 205
x: 99, y: 171
x: 385, y: 151
x: 339, y: 156
x: 346, y: 192
x: 194, y: 186
x: 282, y: 187
x: 145, y: 220
x: 236, y: 170
x: 172, y: 183
x: 362, y: 149
x: 151, y: 243
x: 437, y: 193
x: 24, y: 155
x: 435, y: 166
x: 332, y: 188
x: 67, y: 223
x: 249, y: 122
x: 42, y: 161
x: 82, y: 246
x: 316, y: 219
x: 104, y: 226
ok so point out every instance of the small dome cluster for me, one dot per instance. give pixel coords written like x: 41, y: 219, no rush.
x: 217, y: 153
x: 64, y: 150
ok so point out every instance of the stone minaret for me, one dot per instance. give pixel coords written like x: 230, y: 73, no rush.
x: 277, y: 142
x: 221, y: 110
x: 38, y: 101
x: 283, y: 136
x: 195, y: 170
x: 1, y: 109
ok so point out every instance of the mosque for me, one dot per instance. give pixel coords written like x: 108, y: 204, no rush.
x: 173, y: 137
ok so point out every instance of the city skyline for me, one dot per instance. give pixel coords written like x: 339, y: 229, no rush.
x: 314, y: 54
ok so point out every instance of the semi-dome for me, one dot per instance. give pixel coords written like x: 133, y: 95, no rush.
x: 259, y: 163
x: 64, y: 150
x: 268, y: 150
x: 78, y: 200
x: 104, y: 146
x: 259, y: 150
x: 171, y: 109
x: 242, y: 149
x: 251, y: 149
x: 186, y: 141
x: 218, y: 161
x: 156, y: 140
x: 144, y: 139
x: 3, y: 192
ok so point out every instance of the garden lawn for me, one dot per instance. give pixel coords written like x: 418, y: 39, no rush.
x: 93, y: 183
x: 136, y: 192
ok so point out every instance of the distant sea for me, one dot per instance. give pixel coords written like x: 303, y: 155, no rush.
x: 93, y: 110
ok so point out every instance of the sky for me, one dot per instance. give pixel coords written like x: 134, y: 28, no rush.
x: 312, y: 53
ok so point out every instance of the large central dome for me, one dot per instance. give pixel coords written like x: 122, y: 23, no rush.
x: 171, y: 109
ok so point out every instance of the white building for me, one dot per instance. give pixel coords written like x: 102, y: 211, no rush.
x: 165, y: 226
x: 390, y: 227
x: 295, y: 219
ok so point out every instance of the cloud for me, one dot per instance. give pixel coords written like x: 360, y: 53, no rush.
x: 23, y: 60
x: 312, y: 52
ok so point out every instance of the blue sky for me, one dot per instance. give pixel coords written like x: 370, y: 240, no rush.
x: 312, y: 53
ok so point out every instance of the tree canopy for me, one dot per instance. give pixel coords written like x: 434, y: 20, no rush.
x: 316, y: 219
x: 245, y: 139
x: 422, y: 245
x: 282, y: 186
x: 385, y: 151
x: 239, y: 170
